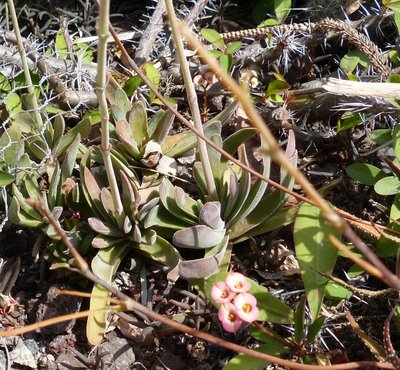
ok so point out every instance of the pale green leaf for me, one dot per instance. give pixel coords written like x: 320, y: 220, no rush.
x: 212, y: 37
x: 314, y: 253
x: 282, y: 9
x: 6, y: 178
x: 389, y: 185
x: 104, y: 265
x: 61, y: 45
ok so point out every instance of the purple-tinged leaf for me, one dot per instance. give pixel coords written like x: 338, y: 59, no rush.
x: 198, y: 237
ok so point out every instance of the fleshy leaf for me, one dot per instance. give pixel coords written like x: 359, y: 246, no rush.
x: 104, y: 265
x: 100, y: 227
x: 198, y: 237
x: 138, y: 122
x: 203, y: 267
x: 125, y: 134
x: 210, y: 215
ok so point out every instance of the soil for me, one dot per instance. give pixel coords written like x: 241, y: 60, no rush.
x: 134, y: 342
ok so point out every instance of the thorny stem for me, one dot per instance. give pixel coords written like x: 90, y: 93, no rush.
x: 192, y: 100
x: 278, y: 156
x: 132, y: 305
x: 101, y: 82
x: 31, y: 91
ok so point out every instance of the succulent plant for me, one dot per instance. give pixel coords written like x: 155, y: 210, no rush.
x: 116, y: 233
x: 209, y: 225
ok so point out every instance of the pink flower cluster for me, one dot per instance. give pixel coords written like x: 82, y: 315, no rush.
x: 236, y: 304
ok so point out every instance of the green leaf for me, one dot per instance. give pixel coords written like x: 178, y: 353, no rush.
x: 175, y: 145
x: 354, y: 57
x: 265, y: 217
x: 167, y: 198
x: 268, y: 22
x: 314, y: 328
x: 159, y: 125
x: 5, y: 86
x: 23, y: 205
x: 337, y: 292
x: 271, y: 308
x: 365, y: 173
x: 13, y: 104
x: 132, y: 84
x: 226, y: 62
x: 60, y: 45
x: 381, y: 136
x: 125, y: 135
x: 6, y: 178
x: 213, y: 37
x: 19, y: 217
x: 243, y: 361
x: 70, y: 159
x: 282, y: 9
x: 232, y: 142
x: 54, y: 193
x: 122, y: 101
x: 83, y: 128
x: 276, y: 87
x: 152, y: 73
x: 299, y: 317
x: 233, y: 47
x: 258, y: 188
x: 389, y: 185
x: 104, y: 265
x: 161, y: 251
x: 349, y: 121
x: 314, y: 253
x: 138, y: 122
x: 393, y: 5
x: 396, y: 143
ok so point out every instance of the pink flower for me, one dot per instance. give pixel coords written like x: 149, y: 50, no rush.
x: 221, y: 293
x: 237, y: 282
x: 246, y: 306
x: 229, y: 318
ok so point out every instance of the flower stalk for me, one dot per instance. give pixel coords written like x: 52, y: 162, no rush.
x: 192, y: 100
x: 31, y: 91
x: 101, y: 82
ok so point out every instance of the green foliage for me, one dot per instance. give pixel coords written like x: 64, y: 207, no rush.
x: 279, y: 8
x: 352, y: 59
x: 243, y: 361
x: 222, y: 52
x: 365, y: 173
x: 314, y: 253
x: 383, y: 183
